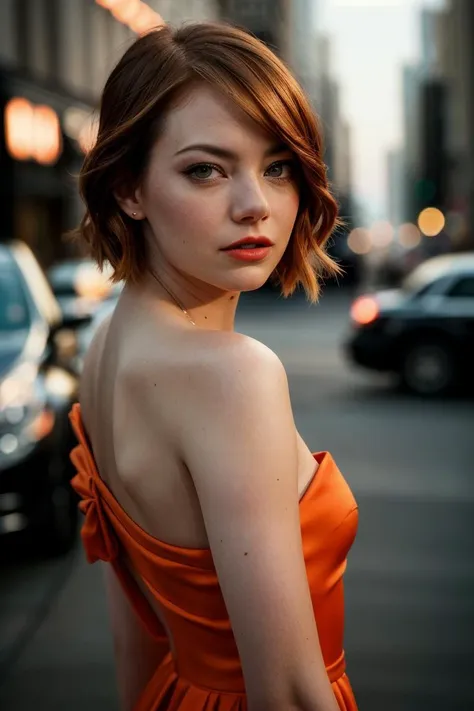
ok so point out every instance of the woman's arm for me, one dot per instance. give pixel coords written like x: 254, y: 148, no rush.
x: 239, y: 443
x: 137, y: 654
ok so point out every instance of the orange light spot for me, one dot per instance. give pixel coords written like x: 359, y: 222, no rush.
x: 108, y: 4
x: 431, y: 221
x: 364, y: 310
x: 42, y: 425
x: 18, y: 128
x: 46, y: 135
x: 125, y: 10
x: 32, y: 132
x: 145, y: 19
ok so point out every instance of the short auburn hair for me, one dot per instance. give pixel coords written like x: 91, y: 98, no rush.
x: 158, y: 68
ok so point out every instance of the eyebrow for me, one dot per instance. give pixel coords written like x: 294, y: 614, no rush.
x: 226, y: 153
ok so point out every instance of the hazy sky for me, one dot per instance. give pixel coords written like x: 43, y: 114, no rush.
x: 372, y: 39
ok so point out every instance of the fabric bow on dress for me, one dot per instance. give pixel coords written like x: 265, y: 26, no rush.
x: 100, y: 542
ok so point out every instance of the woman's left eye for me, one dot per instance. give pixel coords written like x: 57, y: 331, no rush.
x: 283, y: 170
x: 201, y: 171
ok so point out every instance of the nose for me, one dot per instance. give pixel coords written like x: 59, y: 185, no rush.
x: 249, y: 203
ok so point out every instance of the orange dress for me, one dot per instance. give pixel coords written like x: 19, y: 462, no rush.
x: 205, y: 674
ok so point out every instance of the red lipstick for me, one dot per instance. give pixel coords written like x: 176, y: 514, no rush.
x: 249, y: 249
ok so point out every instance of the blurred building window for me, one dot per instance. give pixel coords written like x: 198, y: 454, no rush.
x: 8, y: 46
x: 53, y: 30
x: 21, y: 32
x: 38, y: 16
x: 99, y: 29
x: 464, y: 288
x: 73, y: 46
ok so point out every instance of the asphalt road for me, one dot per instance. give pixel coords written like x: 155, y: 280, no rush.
x: 410, y: 578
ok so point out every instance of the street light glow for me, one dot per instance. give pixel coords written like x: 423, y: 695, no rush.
x: 125, y: 10
x: 32, y: 132
x: 382, y: 233
x: 409, y: 235
x: 138, y: 15
x: 359, y: 241
x: 431, y: 221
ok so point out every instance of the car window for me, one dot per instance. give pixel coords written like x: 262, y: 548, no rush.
x: 14, y: 312
x: 463, y: 288
x: 424, y: 289
x: 62, y: 278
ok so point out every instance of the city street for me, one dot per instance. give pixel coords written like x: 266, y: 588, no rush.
x: 410, y: 577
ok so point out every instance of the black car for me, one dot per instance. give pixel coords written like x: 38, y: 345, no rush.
x: 423, y: 331
x: 37, y: 389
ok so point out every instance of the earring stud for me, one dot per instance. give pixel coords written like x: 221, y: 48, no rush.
x: 134, y: 214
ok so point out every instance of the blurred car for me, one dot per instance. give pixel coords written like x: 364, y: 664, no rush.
x: 37, y: 389
x: 80, y: 287
x: 86, y: 334
x: 423, y: 331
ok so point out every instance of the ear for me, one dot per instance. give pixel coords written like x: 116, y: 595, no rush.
x: 130, y: 203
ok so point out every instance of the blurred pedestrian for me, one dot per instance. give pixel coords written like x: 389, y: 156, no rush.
x: 227, y: 537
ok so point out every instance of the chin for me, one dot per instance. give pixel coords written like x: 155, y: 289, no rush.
x: 249, y: 279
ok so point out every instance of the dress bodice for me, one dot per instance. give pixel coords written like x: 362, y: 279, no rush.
x: 184, y: 584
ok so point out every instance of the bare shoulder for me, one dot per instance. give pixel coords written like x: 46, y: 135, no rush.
x: 232, y: 379
x: 236, y: 417
x: 237, y: 362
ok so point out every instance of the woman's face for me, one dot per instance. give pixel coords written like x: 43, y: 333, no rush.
x: 215, y: 177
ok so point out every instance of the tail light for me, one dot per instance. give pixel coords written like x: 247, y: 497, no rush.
x: 365, y: 310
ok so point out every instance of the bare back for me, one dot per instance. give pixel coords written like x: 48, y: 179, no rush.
x: 136, y: 446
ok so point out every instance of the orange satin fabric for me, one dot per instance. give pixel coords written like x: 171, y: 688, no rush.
x: 205, y: 673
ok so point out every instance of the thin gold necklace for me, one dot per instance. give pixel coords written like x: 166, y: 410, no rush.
x: 175, y: 298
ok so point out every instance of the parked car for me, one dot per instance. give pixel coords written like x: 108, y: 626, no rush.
x: 80, y: 287
x: 86, y: 334
x: 37, y: 389
x: 424, y: 331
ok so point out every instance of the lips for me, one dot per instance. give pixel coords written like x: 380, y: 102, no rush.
x: 249, y: 243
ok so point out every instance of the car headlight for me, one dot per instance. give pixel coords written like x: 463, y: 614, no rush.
x: 14, y: 415
x: 17, y: 389
x: 25, y: 418
x: 22, y: 399
x: 60, y: 383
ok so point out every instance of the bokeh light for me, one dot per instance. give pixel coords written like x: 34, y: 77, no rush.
x: 138, y: 15
x: 359, y: 241
x: 381, y: 234
x: 431, y: 221
x: 364, y: 310
x: 18, y: 123
x: 409, y: 236
x: 125, y: 10
x: 32, y: 132
x: 108, y: 4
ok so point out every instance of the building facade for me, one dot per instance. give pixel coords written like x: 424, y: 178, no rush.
x: 266, y: 19
x: 438, y: 104
x: 54, y: 59
x: 457, y: 63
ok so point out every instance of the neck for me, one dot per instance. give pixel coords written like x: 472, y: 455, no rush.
x: 208, y: 307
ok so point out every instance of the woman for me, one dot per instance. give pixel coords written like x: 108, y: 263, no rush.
x: 226, y: 535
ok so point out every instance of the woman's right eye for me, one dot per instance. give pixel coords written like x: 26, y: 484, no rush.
x: 200, y: 171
